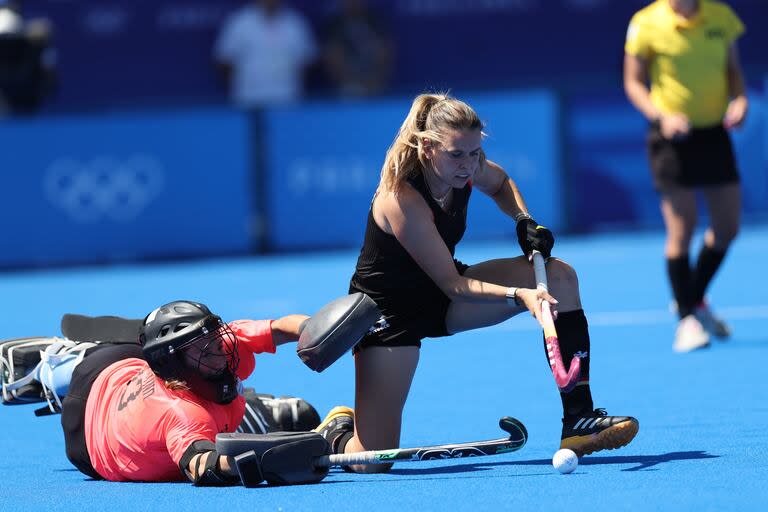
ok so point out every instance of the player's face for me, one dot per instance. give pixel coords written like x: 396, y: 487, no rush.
x: 211, y: 354
x: 457, y: 159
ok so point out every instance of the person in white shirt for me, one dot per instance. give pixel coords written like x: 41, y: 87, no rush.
x: 27, y: 60
x: 263, y: 50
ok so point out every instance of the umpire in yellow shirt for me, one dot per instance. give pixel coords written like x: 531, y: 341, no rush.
x: 682, y: 71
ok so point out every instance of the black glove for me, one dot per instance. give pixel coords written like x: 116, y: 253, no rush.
x: 531, y: 236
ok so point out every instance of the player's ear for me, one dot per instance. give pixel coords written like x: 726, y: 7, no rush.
x: 429, y: 148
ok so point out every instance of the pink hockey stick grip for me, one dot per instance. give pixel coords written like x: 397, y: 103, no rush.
x: 565, y: 380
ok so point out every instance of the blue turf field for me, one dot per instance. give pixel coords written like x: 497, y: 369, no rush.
x: 703, y: 416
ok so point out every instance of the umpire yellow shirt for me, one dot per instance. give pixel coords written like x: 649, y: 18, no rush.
x: 688, y: 57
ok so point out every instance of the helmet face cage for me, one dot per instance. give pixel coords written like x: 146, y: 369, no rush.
x: 213, y: 354
x: 183, y: 340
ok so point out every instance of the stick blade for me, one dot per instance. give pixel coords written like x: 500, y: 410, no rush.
x: 516, y: 430
x: 112, y: 329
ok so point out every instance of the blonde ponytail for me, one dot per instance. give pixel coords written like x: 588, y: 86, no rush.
x: 176, y: 385
x: 429, y: 116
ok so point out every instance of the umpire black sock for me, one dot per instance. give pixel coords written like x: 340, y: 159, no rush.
x: 573, y: 335
x: 707, y: 264
x: 679, y: 271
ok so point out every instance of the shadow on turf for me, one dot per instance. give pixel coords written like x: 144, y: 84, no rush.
x: 641, y: 462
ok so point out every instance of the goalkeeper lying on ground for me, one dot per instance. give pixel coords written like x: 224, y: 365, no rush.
x: 150, y: 411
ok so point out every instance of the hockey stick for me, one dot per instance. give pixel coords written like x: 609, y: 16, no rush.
x: 565, y: 381
x: 518, y: 436
x: 111, y: 329
x: 116, y: 329
x: 248, y: 448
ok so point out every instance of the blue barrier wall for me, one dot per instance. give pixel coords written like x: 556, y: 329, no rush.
x: 324, y: 161
x: 123, y: 187
x: 117, y: 53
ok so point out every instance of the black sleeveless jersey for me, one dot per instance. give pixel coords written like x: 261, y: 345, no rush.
x: 387, y: 273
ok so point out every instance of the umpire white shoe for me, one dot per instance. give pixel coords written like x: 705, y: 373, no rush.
x: 712, y: 324
x: 690, y: 335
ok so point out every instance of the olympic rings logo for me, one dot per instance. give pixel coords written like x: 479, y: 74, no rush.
x: 103, y: 188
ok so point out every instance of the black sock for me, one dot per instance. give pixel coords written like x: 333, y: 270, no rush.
x: 706, y: 266
x: 573, y: 335
x: 340, y: 443
x: 679, y: 271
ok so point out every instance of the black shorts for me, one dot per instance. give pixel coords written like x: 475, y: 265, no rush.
x: 73, y: 407
x: 703, y: 158
x: 411, y: 317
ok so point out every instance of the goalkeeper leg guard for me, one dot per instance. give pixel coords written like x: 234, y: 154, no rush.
x: 19, y: 358
x: 264, y: 413
x: 39, y: 369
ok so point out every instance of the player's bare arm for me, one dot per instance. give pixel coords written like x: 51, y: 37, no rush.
x: 198, y: 464
x: 637, y: 91
x: 636, y: 85
x: 494, y: 182
x: 287, y: 329
x: 739, y: 104
x: 411, y: 222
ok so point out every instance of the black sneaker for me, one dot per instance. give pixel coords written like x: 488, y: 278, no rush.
x: 595, y: 431
x: 339, y: 421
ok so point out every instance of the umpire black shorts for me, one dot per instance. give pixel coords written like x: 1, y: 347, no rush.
x: 73, y: 408
x: 411, y: 316
x: 704, y: 158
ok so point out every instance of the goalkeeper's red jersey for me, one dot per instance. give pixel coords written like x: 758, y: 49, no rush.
x: 137, y: 429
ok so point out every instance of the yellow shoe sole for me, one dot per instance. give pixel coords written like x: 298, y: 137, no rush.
x: 611, y: 438
x: 339, y: 410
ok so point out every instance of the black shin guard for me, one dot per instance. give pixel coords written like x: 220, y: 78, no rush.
x: 340, y: 443
x: 679, y: 271
x: 706, y: 266
x: 573, y: 335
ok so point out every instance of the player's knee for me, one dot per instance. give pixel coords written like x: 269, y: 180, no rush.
x: 562, y: 276
x: 678, y: 241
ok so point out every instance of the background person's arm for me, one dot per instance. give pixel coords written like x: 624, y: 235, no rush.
x: 739, y: 105
x: 636, y: 86
x: 672, y: 125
